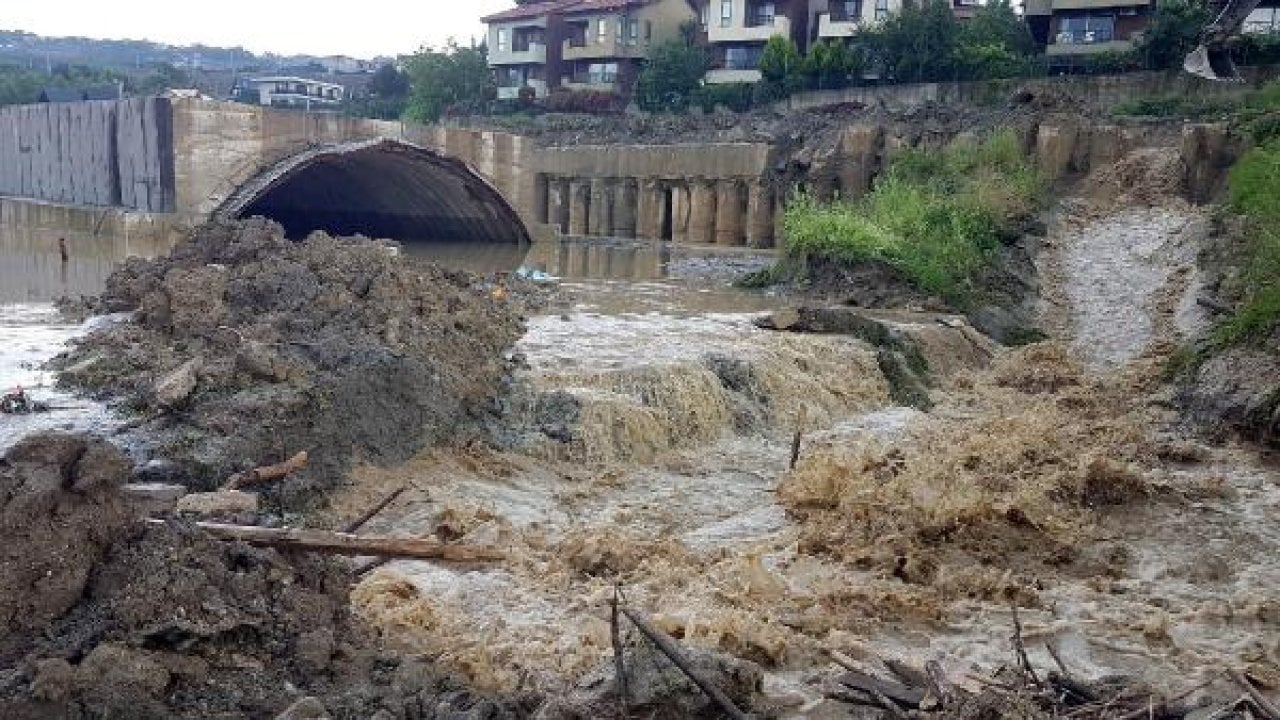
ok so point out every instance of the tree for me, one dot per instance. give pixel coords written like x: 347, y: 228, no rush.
x: 830, y: 63
x: 388, y: 82
x: 997, y: 24
x: 1174, y: 31
x: 457, y: 78
x: 918, y: 43
x: 781, y: 64
x: 994, y: 43
x: 163, y: 77
x: 671, y: 76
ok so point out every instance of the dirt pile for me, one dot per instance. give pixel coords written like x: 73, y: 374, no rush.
x: 107, y: 617
x: 245, y: 347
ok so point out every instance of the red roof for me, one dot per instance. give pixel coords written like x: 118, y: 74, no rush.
x: 526, y: 12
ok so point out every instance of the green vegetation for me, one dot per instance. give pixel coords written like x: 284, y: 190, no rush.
x: 1174, y: 31
x: 22, y: 86
x: 386, y: 97
x: 1255, y: 185
x: 455, y: 80
x: 672, y: 77
x: 936, y: 217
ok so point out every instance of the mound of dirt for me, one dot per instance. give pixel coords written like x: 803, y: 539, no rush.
x: 107, y: 617
x: 1143, y: 177
x: 245, y: 347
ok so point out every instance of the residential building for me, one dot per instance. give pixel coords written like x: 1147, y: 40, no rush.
x: 737, y: 31
x: 290, y: 92
x: 518, y: 49
x: 835, y: 19
x: 579, y: 44
x: 1070, y: 30
x: 1264, y: 20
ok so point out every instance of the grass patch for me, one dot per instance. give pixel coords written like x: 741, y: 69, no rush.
x: 1254, y: 187
x: 934, y: 216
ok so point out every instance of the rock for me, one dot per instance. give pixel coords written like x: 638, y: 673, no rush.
x: 220, y: 503
x: 101, y: 466
x: 152, y: 498
x: 178, y: 384
x: 308, y: 708
x: 112, y: 666
x: 259, y: 360
x: 1241, y: 387
x: 54, y: 679
x: 314, y: 650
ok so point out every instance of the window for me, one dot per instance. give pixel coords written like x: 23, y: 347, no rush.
x: 603, y: 73
x: 602, y: 31
x: 848, y: 11
x: 763, y: 14
x: 648, y: 30
x: 726, y: 13
x: 882, y: 9
x: 742, y: 57
x: 1085, y: 30
x: 504, y: 41
x: 633, y: 32
x: 704, y: 14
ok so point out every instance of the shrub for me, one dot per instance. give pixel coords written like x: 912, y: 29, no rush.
x: 595, y: 102
x: 935, y: 217
x: 1254, y: 185
x: 738, y: 97
x: 671, y: 77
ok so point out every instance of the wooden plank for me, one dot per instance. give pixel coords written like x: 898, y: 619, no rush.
x: 8, y: 152
x: 331, y: 543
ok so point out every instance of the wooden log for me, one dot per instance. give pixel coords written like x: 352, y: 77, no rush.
x: 331, y: 543
x: 669, y: 648
x: 801, y: 417
x: 876, y: 687
x: 619, y: 665
x: 372, y: 512
x: 269, y: 473
x: 1263, y: 703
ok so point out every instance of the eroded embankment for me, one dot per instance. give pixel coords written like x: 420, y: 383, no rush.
x: 102, y: 615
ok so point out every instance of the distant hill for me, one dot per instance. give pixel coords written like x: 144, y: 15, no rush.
x: 130, y: 56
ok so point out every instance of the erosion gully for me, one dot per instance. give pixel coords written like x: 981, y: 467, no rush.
x: 668, y: 485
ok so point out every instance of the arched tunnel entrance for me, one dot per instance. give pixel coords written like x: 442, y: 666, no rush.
x: 381, y: 189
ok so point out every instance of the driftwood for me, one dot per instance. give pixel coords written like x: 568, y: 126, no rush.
x: 1263, y: 704
x: 801, y: 419
x: 372, y: 512
x: 331, y: 543
x: 669, y: 648
x: 619, y: 664
x: 269, y: 473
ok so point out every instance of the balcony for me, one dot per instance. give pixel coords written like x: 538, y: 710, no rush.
x: 755, y: 30
x: 512, y: 92
x: 592, y: 48
x: 837, y: 25
x: 530, y: 54
x: 730, y: 75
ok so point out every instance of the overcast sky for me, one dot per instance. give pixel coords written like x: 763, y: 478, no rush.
x: 364, y: 28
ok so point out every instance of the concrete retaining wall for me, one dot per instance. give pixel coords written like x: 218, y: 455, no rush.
x: 1098, y: 92
x: 107, y: 154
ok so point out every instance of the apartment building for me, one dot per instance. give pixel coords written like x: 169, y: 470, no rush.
x: 290, y: 92
x: 737, y: 30
x: 579, y: 44
x: 1070, y: 30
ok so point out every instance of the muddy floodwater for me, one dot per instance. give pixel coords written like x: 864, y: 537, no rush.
x: 649, y: 440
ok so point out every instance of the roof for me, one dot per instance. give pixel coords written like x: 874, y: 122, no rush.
x: 293, y: 79
x: 61, y: 95
x: 525, y: 12
x: 536, y: 10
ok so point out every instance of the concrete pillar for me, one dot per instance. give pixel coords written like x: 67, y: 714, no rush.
x: 601, y: 220
x: 860, y: 147
x: 681, y: 213
x: 558, y: 204
x: 541, y: 198
x: 729, y: 213
x: 624, y: 208
x: 759, y: 215
x: 650, y: 200
x: 579, y: 207
x: 702, y: 212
